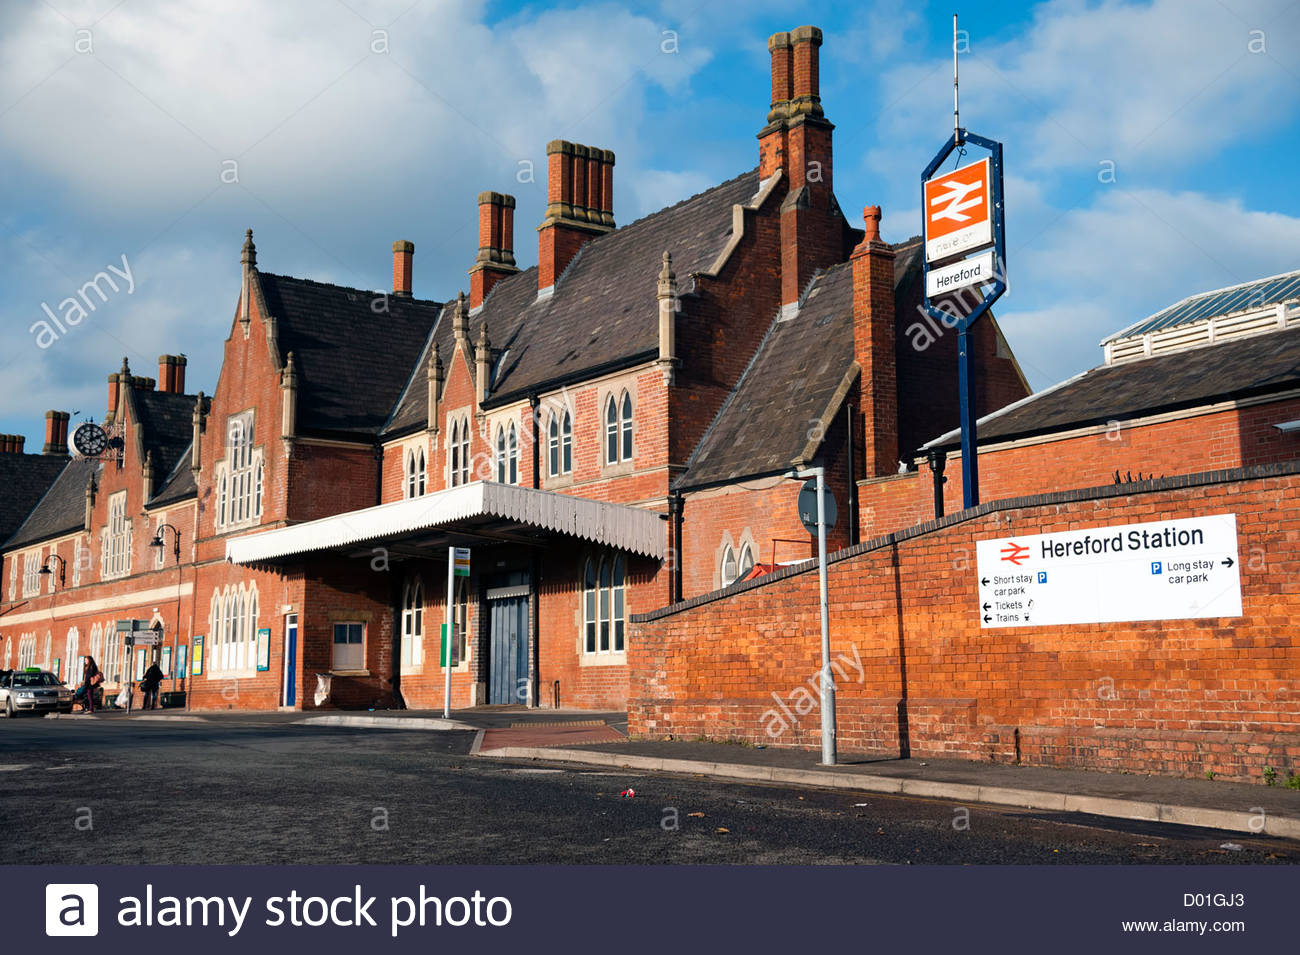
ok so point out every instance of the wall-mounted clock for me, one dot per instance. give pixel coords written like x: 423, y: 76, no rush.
x: 90, y: 440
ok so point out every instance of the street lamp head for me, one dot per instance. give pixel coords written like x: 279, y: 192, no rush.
x: 157, y: 541
x: 45, y: 569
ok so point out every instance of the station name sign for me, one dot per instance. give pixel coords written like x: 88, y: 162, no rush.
x: 1162, y: 570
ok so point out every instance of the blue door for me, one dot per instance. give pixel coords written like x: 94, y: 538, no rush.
x: 508, y: 643
x: 290, y: 659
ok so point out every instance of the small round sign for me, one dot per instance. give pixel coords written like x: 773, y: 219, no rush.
x: 808, y: 506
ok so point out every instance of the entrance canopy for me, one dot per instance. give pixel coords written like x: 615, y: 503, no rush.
x: 483, y: 512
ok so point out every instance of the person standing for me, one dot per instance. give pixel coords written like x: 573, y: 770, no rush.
x: 90, y: 680
x: 153, y: 678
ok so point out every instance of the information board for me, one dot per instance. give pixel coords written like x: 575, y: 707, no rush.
x: 1162, y: 570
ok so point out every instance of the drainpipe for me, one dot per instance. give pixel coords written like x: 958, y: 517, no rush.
x: 533, y: 403
x: 853, y: 477
x: 938, y: 460
x: 676, y: 512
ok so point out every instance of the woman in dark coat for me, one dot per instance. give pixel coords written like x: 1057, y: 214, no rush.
x: 88, y: 687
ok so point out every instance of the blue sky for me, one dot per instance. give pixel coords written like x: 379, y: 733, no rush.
x: 351, y: 124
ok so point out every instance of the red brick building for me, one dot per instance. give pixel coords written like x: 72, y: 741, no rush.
x: 609, y: 431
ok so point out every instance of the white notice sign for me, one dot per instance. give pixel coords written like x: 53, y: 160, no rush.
x: 1163, y: 570
x: 977, y: 270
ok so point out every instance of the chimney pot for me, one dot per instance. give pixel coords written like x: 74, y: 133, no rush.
x: 403, y: 252
x: 56, y: 432
x: 496, y: 245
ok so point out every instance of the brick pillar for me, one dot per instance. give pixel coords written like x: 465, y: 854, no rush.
x: 873, y: 348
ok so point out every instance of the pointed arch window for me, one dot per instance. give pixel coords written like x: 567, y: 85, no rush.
x: 412, y: 626
x: 416, y: 472
x: 508, y: 454
x: 560, y: 443
x: 458, y: 452
x: 618, y: 428
x: 729, y: 567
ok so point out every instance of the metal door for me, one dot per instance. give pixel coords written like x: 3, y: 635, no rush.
x: 508, y: 653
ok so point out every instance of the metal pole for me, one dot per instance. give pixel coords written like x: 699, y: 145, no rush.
x: 956, y: 115
x: 445, y: 649
x: 970, y: 472
x: 828, y: 681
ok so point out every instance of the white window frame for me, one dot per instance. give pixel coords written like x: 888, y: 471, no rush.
x: 413, y: 614
x: 32, y: 573
x: 604, y: 605
x: 27, y: 651
x: 458, y: 450
x: 240, y: 476
x: 71, y: 654
x: 116, y: 559
x: 77, y: 548
x: 160, y: 555
x: 616, y: 431
x: 507, y: 454
x: 728, y: 570
x: 417, y: 473
x: 559, y: 447
x: 354, y: 661
x: 232, y: 628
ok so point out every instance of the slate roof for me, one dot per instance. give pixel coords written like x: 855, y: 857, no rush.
x: 24, y: 478
x: 168, y: 426
x: 178, y: 485
x: 603, y: 312
x: 1227, y: 370
x: 794, y: 378
x: 61, y: 510
x: 352, y: 362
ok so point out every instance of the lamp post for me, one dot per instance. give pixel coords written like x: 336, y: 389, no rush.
x: 63, y: 569
x: 176, y: 552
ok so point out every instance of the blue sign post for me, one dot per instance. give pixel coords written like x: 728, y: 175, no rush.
x: 962, y: 212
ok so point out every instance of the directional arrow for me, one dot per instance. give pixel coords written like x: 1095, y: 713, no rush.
x: 985, y: 581
x: 987, y: 606
x: 1228, y: 562
x: 987, y: 618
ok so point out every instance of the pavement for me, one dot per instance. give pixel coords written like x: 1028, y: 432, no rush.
x: 586, y: 738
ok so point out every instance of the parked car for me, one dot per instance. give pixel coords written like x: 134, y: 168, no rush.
x: 34, y: 691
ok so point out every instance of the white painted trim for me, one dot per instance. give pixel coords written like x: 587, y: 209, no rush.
x: 138, y: 598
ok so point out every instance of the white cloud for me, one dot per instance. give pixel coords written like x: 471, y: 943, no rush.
x: 1129, y: 254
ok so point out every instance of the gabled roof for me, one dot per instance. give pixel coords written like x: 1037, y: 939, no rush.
x: 351, y: 360
x: 62, y: 510
x: 800, y: 374
x: 1229, y: 370
x: 25, y: 478
x: 603, y: 310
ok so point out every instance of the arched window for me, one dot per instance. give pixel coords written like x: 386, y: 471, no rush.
x: 412, y: 626
x: 746, y: 562
x: 611, y: 431
x: 589, y: 605
x: 618, y: 428
x: 416, y: 472
x: 604, y: 604
x: 560, y: 444
x: 553, y: 445
x: 728, y: 566
x: 458, y: 456
x: 566, y: 443
x: 512, y: 454
x: 71, y: 657
x: 625, y: 426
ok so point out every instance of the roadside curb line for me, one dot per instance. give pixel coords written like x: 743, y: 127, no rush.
x: 387, y: 723
x: 1226, y: 819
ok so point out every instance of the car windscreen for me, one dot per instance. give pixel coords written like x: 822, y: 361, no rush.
x: 35, y: 679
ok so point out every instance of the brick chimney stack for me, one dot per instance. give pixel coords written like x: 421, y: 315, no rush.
x: 12, y: 443
x: 797, y: 141
x: 496, y: 245
x: 403, y: 253
x: 56, y: 432
x: 115, y: 383
x: 171, y: 374
x: 873, y: 347
x: 579, y: 205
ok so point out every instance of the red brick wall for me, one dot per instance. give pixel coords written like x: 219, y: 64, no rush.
x: 1174, y: 696
x: 1241, y: 437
